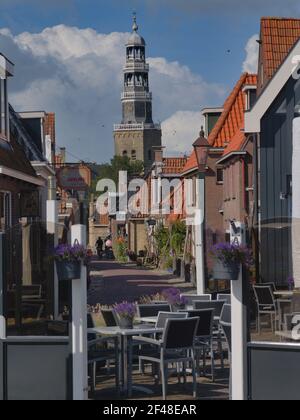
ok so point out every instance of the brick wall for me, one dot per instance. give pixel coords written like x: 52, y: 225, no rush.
x: 214, y: 225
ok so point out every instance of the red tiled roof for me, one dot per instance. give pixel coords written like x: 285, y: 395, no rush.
x: 191, y: 163
x: 232, y: 117
x: 230, y: 123
x: 236, y: 143
x: 278, y: 36
x: 173, y: 165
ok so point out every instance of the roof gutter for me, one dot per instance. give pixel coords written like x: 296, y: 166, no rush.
x: 230, y: 155
x: 12, y: 173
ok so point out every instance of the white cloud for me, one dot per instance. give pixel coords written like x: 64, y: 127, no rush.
x: 250, y: 64
x: 77, y: 73
x: 180, y: 131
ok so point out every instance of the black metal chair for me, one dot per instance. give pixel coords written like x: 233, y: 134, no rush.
x: 225, y: 323
x: 103, y: 349
x: 176, y: 346
x: 191, y: 298
x: 204, y: 337
x: 217, y: 305
x: 224, y: 297
x: 164, y: 316
x: 150, y: 310
x: 109, y: 317
x: 266, y: 304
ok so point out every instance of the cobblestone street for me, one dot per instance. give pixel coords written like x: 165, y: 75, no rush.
x: 112, y: 282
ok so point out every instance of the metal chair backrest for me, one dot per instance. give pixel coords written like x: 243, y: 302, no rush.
x: 152, y: 310
x: 109, y: 317
x: 272, y: 285
x: 206, y: 321
x: 32, y: 291
x: 217, y: 305
x: 264, y: 296
x: 180, y: 334
x: 226, y: 297
x: 191, y: 298
x: 225, y: 322
x: 90, y: 324
x: 164, y: 316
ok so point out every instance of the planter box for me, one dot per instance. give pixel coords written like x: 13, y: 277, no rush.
x: 226, y: 271
x: 68, y: 270
x: 125, y: 323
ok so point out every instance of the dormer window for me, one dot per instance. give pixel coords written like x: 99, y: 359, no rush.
x: 250, y: 96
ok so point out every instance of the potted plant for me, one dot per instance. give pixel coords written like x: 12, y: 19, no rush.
x: 228, y: 260
x: 174, y: 298
x: 126, y: 313
x: 68, y: 261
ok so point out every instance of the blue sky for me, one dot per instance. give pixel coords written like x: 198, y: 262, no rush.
x: 205, y: 38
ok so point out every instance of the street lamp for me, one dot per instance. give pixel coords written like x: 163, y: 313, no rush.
x: 201, y: 149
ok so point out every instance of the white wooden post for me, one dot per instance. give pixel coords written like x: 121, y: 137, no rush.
x: 238, y: 325
x: 199, y: 225
x: 79, y: 324
x: 200, y: 270
x: 52, y: 218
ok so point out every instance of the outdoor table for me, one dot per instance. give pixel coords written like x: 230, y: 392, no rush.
x: 126, y: 336
x: 148, y: 320
x: 153, y: 319
x: 286, y: 293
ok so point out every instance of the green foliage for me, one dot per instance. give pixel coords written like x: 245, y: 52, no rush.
x: 170, y: 242
x: 162, y: 239
x: 177, y: 237
x: 121, y: 250
x: 111, y: 171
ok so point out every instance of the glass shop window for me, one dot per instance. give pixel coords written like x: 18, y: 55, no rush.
x: 29, y: 287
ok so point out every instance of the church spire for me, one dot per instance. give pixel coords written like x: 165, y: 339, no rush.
x: 135, y: 27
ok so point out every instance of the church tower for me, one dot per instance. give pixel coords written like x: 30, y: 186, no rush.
x: 136, y: 136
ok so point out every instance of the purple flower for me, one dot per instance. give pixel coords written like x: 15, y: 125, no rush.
x: 126, y: 310
x: 233, y: 254
x: 172, y: 295
x: 67, y: 252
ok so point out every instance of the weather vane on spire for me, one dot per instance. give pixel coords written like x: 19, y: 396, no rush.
x: 135, y: 25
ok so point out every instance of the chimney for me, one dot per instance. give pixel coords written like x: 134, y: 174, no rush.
x: 158, y: 154
x: 63, y: 154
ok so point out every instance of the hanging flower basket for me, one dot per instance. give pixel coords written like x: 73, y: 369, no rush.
x: 69, y: 260
x: 229, y: 258
x: 68, y: 270
x: 223, y: 271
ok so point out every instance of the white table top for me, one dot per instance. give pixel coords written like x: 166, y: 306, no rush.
x: 136, y: 330
x: 284, y: 293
